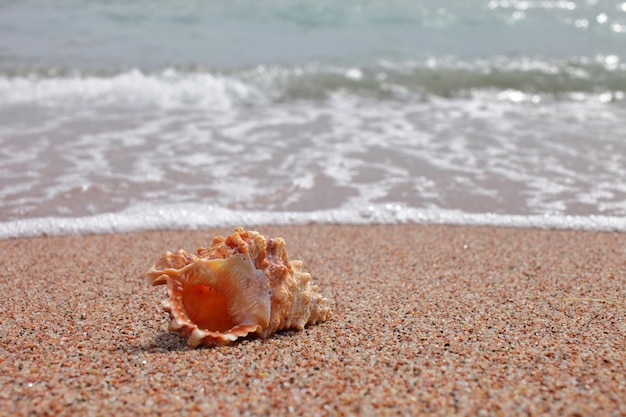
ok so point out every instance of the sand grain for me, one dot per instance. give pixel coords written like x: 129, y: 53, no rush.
x: 443, y: 320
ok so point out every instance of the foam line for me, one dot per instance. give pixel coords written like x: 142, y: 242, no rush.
x: 178, y: 217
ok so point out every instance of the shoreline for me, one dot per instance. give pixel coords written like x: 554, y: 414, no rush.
x: 428, y: 319
x: 197, y: 218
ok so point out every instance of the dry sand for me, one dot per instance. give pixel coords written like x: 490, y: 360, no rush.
x: 428, y: 319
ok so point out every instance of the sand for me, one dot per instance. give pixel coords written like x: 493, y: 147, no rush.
x: 428, y: 319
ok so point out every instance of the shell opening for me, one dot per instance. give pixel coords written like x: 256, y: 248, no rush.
x: 206, y: 307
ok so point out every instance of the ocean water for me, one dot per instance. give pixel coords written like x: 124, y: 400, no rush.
x: 121, y: 116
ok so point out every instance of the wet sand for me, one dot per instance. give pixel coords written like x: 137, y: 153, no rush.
x: 428, y: 319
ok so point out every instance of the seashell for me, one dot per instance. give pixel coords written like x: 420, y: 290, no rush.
x: 242, y: 285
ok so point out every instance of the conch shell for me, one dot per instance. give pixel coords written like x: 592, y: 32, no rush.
x: 243, y: 284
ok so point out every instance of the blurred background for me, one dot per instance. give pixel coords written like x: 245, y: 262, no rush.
x: 158, y: 114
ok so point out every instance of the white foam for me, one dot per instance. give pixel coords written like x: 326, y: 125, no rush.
x: 347, y: 151
x: 168, y: 89
x: 189, y: 216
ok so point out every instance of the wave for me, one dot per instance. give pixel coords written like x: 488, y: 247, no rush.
x: 603, y: 78
x: 190, y: 216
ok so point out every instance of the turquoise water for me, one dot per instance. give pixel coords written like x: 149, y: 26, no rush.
x: 489, y: 112
x: 233, y: 35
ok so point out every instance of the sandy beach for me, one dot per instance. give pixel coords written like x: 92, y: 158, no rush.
x: 428, y: 319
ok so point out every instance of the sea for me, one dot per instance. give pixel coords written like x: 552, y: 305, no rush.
x: 120, y: 116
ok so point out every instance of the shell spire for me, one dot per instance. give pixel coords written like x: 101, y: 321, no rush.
x: 242, y: 284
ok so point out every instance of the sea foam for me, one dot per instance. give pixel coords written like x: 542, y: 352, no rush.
x: 194, y: 217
